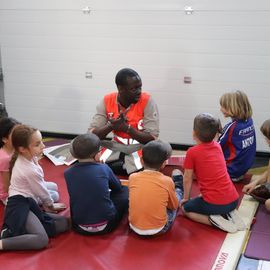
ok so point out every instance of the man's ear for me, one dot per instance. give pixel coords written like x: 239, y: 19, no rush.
x: 120, y: 88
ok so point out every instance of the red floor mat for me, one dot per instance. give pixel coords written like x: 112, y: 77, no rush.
x: 188, y: 245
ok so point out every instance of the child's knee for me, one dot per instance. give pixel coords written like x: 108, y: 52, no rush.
x: 183, y: 210
x: 42, y: 242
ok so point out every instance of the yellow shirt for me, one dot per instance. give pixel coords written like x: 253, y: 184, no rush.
x: 150, y: 194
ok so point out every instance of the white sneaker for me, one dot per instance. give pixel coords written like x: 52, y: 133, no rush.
x: 237, y: 220
x: 176, y: 172
x: 222, y: 223
x: 238, y: 179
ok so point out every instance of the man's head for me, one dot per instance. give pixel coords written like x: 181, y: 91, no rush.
x: 155, y: 153
x: 85, y: 146
x: 206, y: 126
x: 129, y: 85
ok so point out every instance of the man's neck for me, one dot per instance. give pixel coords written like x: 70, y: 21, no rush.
x: 123, y: 102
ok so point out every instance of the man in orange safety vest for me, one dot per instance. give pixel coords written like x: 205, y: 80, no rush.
x: 133, y: 119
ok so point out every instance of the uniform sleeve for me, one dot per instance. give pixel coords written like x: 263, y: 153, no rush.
x: 100, y: 118
x: 173, y: 201
x: 151, y: 118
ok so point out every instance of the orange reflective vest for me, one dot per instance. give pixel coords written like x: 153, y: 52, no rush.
x: 134, y: 115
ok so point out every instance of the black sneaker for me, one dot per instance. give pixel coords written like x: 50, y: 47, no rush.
x: 5, y: 233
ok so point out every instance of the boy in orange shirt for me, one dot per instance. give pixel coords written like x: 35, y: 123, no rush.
x: 153, y: 197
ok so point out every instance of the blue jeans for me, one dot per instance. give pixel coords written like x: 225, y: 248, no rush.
x: 171, y: 214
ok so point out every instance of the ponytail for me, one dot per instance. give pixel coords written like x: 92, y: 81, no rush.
x: 12, y: 162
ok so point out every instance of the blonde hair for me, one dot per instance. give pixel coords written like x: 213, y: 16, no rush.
x: 236, y: 104
x: 265, y: 128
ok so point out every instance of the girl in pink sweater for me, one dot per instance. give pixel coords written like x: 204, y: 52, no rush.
x: 7, y: 125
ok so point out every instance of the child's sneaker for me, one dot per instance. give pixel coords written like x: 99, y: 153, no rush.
x: 177, y: 177
x: 176, y: 172
x: 261, y: 193
x: 222, y: 223
x: 238, y: 179
x: 237, y: 220
x: 5, y: 233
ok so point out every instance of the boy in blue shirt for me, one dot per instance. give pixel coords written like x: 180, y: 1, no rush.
x: 238, y: 138
x: 98, y: 201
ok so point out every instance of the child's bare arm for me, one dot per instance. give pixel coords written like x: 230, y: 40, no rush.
x: 260, y: 179
x: 6, y: 180
x: 251, y: 186
x: 188, y: 179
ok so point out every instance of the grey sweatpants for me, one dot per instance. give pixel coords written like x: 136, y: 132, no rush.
x: 36, y: 237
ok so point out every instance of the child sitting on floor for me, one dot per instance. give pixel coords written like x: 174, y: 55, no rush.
x: 26, y: 226
x: 98, y: 201
x: 7, y: 125
x: 263, y: 191
x: 218, y: 200
x: 153, y: 199
x: 237, y: 139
